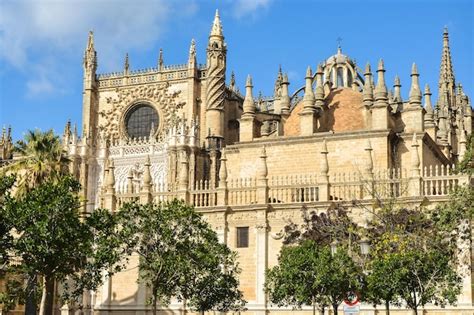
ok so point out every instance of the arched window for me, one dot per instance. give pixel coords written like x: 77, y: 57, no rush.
x: 340, y: 77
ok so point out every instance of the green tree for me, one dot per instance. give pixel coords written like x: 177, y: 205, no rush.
x: 54, y: 242
x: 309, y: 274
x: 180, y: 256
x: 296, y: 280
x: 40, y: 158
x: 412, y: 260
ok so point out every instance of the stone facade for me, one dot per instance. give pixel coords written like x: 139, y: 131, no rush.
x: 181, y: 132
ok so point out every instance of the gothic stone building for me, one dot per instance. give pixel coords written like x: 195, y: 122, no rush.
x: 249, y: 164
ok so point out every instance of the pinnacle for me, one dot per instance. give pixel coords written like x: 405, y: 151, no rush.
x: 308, y: 72
x: 367, y: 68
x: 414, y: 69
x: 397, y: 81
x: 320, y: 69
x: 249, y: 81
x: 216, y: 26
x: 381, y: 65
x: 427, y: 89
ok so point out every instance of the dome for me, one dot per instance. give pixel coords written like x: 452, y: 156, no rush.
x: 339, y: 58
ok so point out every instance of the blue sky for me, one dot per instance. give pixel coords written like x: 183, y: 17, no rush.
x: 42, y: 43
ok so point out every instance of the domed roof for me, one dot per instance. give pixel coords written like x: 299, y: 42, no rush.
x: 338, y: 58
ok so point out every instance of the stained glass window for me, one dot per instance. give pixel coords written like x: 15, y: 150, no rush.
x: 140, y: 119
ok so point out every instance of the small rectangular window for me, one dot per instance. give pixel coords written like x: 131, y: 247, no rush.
x: 243, y: 237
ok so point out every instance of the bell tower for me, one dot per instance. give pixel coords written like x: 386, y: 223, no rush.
x: 215, y: 80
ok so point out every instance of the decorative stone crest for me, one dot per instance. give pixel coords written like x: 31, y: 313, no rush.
x: 166, y: 103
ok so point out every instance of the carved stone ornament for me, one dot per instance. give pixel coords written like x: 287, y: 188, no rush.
x: 156, y: 95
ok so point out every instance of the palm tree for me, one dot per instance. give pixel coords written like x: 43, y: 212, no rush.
x: 40, y: 158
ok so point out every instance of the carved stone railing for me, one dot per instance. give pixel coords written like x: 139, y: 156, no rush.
x: 203, y: 195
x: 293, y: 189
x: 242, y: 191
x: 306, y: 188
x: 439, y: 180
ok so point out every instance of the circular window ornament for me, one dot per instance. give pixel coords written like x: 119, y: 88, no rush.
x: 140, y: 119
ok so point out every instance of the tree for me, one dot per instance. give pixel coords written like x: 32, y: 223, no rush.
x: 297, y: 279
x: 41, y: 158
x: 412, y: 260
x: 338, y: 272
x: 180, y: 256
x: 52, y: 241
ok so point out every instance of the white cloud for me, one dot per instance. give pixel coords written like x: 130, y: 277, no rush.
x: 249, y: 7
x: 32, y: 32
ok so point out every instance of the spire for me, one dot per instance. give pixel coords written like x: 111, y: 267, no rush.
x: 192, y: 53
x: 308, y: 98
x: 397, y: 96
x: 319, y: 95
x: 381, y: 88
x: 285, y: 98
x: 90, y: 55
x: 415, y: 92
x: 216, y: 29
x: 232, y: 81
x: 126, y: 64
x: 249, y: 105
x: 278, y: 81
x: 160, y: 60
x: 368, y: 93
x: 428, y: 105
x: 446, y: 73
x: 147, y: 174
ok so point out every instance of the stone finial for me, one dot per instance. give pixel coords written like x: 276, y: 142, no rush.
x: 397, y: 96
x: 216, y: 29
x: 324, y: 163
x: 110, y: 182
x: 368, y: 93
x: 415, y: 158
x: 319, y: 95
x: 369, y: 161
x: 232, y: 81
x: 183, y: 179
x: 160, y: 60
x: 126, y: 65
x: 130, y: 182
x: 147, y: 173
x: 381, y: 88
x: 462, y: 143
x: 428, y: 105
x: 285, y: 98
x: 192, y: 53
x: 415, y: 92
x: 308, y: 98
x: 249, y: 105
x: 262, y: 168
x: 223, y: 170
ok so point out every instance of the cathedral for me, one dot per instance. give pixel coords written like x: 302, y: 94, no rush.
x: 249, y: 164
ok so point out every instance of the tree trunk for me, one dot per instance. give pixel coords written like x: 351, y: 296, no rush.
x: 314, y: 308
x: 47, y: 298
x: 30, y: 303
x: 387, y: 307
x: 154, y: 304
x: 334, y: 307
